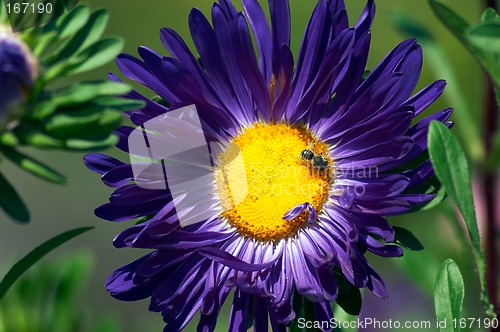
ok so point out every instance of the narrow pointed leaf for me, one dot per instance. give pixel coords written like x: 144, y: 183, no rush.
x: 35, y: 255
x: 11, y: 202
x: 449, y: 295
x: 80, y: 93
x: 80, y: 144
x: 349, y: 297
x: 86, y: 36
x: 73, y: 21
x: 406, y: 239
x: 34, y: 167
x: 34, y: 137
x: 84, y: 123
x: 450, y: 165
x: 119, y: 104
x: 97, y: 55
x: 351, y: 301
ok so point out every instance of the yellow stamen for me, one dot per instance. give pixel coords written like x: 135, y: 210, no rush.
x: 271, y: 179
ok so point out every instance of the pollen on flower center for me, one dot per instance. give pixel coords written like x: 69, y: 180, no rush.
x: 262, y: 176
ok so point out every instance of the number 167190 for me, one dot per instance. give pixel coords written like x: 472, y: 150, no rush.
x: 27, y: 7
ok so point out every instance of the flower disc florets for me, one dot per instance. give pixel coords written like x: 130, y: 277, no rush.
x: 274, y: 178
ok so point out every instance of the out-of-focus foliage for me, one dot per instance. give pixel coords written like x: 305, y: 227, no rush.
x: 479, y: 38
x: 439, y: 60
x: 54, y: 115
x: 49, y: 299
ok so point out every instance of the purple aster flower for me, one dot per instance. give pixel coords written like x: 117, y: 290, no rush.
x: 326, y: 160
x: 18, y: 69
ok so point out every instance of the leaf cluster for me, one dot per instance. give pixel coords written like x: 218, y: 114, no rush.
x: 54, y: 115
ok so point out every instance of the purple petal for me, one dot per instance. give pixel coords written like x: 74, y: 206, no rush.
x: 296, y: 210
x: 120, y: 284
x: 239, y: 312
x: 263, y: 37
x: 101, y: 163
x: 426, y: 96
x: 223, y: 257
x: 323, y: 311
x: 118, y: 176
x: 280, y: 22
x: 260, y: 320
x: 247, y: 64
x: 136, y: 70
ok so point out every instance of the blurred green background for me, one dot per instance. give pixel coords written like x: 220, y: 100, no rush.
x: 55, y: 209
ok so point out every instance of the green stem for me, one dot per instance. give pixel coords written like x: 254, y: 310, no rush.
x: 489, y: 181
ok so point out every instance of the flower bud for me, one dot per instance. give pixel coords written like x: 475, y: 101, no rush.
x: 18, y: 70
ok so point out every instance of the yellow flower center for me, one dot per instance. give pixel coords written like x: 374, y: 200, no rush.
x: 262, y: 176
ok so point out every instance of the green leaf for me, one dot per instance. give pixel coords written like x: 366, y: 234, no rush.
x: 486, y: 37
x: 119, y: 104
x: 490, y: 15
x: 97, y: 55
x: 351, y: 301
x: 92, y: 57
x: 81, y: 93
x: 410, y: 26
x: 72, y: 22
x: 34, y: 137
x: 43, y: 109
x: 8, y: 139
x: 42, y: 43
x: 86, y: 36
x: 449, y: 295
x: 452, y: 170
x: 83, y: 123
x: 79, y: 144
x: 458, y: 26
x: 349, y: 296
x: 35, y: 255
x: 440, y: 196
x: 34, y: 167
x: 455, y: 23
x: 431, y: 186
x: 406, y: 239
x: 11, y: 202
